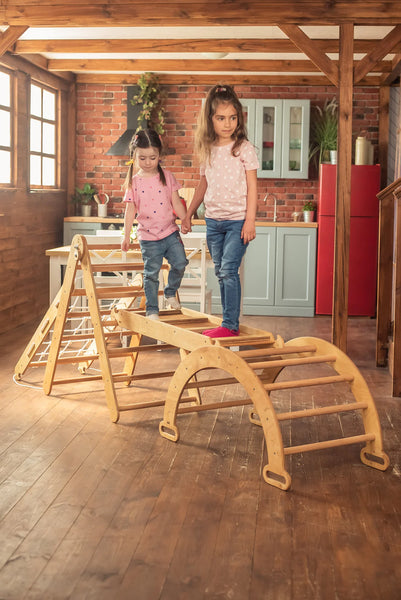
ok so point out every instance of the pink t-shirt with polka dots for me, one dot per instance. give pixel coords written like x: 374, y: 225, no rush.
x: 152, y: 199
x: 226, y: 194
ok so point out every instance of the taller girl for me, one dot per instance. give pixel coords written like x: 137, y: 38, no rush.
x: 228, y: 187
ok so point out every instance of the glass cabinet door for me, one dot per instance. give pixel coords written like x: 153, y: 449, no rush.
x: 268, y: 125
x: 295, y: 140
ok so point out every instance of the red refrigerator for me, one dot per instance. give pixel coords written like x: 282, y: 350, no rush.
x: 365, y: 184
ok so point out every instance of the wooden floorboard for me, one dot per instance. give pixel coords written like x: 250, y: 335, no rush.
x: 91, y: 509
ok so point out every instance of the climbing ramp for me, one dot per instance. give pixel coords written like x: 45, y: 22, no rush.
x: 255, y: 362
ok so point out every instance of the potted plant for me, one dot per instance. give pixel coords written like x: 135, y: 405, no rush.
x: 84, y: 197
x: 309, y: 211
x: 324, y: 126
x: 151, y: 97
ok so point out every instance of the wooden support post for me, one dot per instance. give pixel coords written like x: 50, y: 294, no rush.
x: 343, y: 211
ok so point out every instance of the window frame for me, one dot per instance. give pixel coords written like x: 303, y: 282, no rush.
x: 11, y: 109
x: 43, y: 120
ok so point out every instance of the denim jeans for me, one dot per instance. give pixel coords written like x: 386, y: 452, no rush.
x: 227, y: 249
x: 153, y: 253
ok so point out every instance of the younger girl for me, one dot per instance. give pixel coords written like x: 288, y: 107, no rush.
x: 152, y: 195
x: 228, y: 187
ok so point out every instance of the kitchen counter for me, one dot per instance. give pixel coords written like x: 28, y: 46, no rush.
x: 120, y: 221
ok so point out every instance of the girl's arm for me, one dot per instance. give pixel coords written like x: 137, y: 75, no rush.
x: 248, y: 232
x: 178, y: 206
x: 129, y: 216
x: 195, y: 203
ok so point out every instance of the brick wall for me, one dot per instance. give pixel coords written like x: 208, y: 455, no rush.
x: 101, y: 119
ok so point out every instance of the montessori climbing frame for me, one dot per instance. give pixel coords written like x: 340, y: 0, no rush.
x: 256, y: 362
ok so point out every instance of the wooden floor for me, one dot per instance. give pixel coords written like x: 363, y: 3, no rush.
x: 94, y: 510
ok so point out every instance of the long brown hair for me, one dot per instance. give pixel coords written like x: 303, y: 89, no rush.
x: 205, y: 135
x: 145, y: 138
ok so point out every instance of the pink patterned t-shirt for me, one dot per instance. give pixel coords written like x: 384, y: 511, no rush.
x: 226, y: 195
x: 154, y: 208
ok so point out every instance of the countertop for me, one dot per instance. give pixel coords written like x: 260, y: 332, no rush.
x: 194, y: 222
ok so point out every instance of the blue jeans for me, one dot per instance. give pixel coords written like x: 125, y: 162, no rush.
x: 227, y: 249
x: 153, y: 253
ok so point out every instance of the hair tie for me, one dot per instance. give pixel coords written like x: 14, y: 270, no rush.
x: 221, y: 89
x: 130, y: 162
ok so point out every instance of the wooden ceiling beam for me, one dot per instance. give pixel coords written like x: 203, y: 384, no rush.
x: 382, y: 48
x: 185, y: 13
x: 9, y: 37
x: 240, y: 65
x: 213, y: 78
x: 281, y: 46
x: 395, y: 71
x: 307, y: 46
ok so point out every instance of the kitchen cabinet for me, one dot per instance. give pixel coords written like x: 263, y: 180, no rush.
x: 278, y: 272
x: 280, y: 131
x: 89, y: 226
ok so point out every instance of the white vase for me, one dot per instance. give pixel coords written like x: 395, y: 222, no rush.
x: 86, y: 210
x: 309, y: 216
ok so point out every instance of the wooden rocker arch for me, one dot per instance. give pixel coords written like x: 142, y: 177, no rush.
x: 271, y: 361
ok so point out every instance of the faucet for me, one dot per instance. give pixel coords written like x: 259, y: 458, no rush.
x: 275, y: 205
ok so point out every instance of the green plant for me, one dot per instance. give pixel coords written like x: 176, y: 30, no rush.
x: 308, y: 206
x: 151, y: 97
x: 84, y: 195
x: 324, y: 130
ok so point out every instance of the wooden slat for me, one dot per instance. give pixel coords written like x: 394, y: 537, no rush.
x: 124, y: 46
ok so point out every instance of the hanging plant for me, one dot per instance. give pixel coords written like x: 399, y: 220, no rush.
x: 151, y: 97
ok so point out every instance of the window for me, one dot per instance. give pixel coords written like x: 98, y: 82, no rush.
x: 6, y: 137
x: 43, y: 137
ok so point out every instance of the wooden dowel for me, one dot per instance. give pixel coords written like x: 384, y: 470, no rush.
x: 291, y: 362
x: 273, y: 351
x: 298, y: 383
x: 356, y: 439
x: 155, y: 403
x: 324, y: 410
x: 214, y: 405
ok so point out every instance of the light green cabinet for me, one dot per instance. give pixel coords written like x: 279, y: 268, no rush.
x: 278, y: 274
x: 280, y: 131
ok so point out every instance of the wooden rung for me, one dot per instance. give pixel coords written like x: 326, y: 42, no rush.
x: 154, y: 403
x: 214, y: 405
x: 356, y: 439
x: 298, y: 383
x: 323, y: 410
x: 270, y: 387
x: 76, y: 314
x: 117, y: 266
x: 275, y: 351
x: 291, y: 362
x: 111, y: 292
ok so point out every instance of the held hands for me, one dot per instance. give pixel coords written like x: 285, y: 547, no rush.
x: 248, y: 232
x: 186, y: 226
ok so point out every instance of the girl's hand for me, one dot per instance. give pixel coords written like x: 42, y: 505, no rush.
x: 125, y: 245
x: 186, y: 225
x: 248, y: 232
